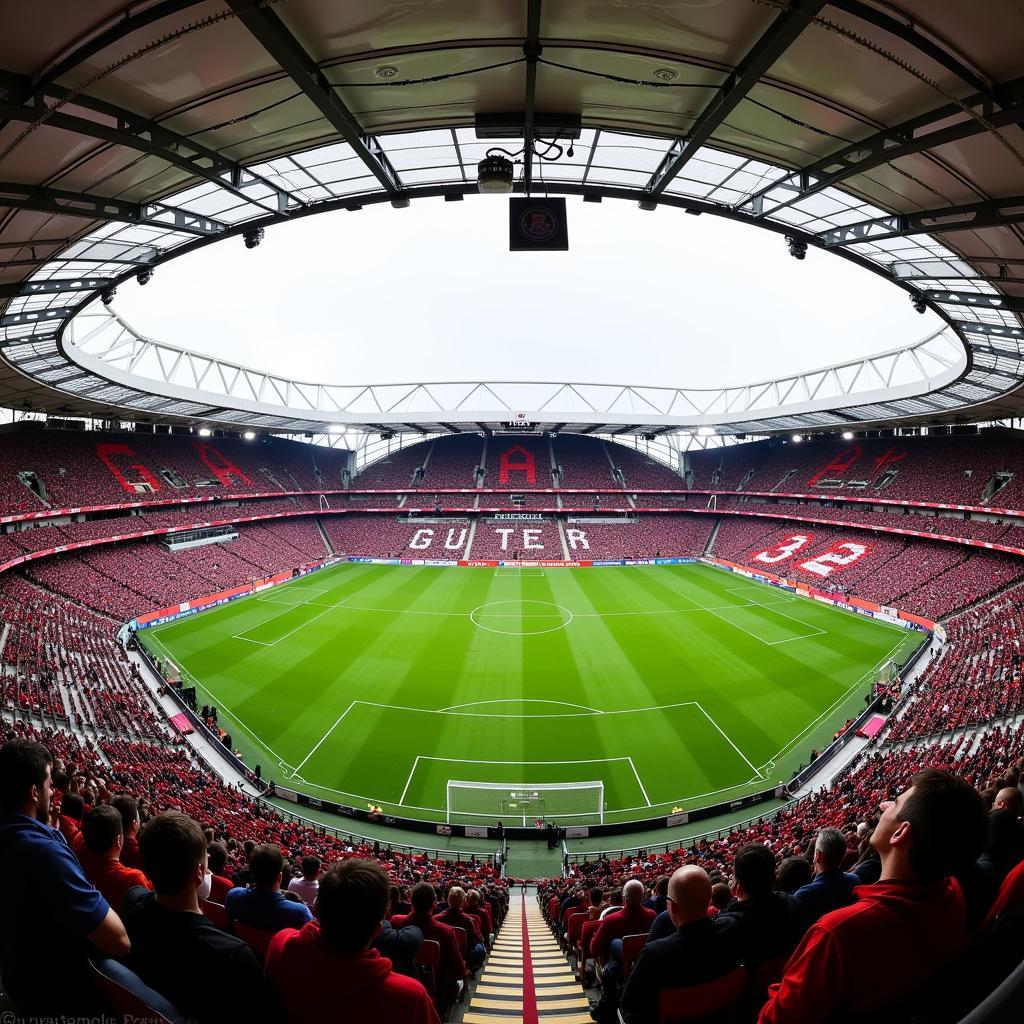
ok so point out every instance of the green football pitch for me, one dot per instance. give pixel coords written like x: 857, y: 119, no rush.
x: 672, y: 686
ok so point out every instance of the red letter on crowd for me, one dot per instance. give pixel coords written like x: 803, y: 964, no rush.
x: 105, y: 453
x: 527, y: 465
x: 842, y: 462
x: 224, y: 469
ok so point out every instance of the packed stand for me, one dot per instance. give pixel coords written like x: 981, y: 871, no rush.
x: 154, y: 866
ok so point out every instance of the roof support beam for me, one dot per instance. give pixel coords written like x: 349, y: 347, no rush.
x: 892, y: 144
x: 53, y: 286
x: 81, y: 204
x: 990, y: 213
x: 278, y: 41
x: 142, y: 135
x: 786, y: 27
x: 532, y: 51
x: 1009, y: 303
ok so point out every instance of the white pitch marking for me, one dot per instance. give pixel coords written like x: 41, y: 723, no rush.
x: 408, y: 781
x: 730, y: 742
x: 326, y: 734
x: 521, y: 700
x: 638, y: 782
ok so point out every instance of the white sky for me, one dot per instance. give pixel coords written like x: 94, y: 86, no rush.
x: 431, y: 293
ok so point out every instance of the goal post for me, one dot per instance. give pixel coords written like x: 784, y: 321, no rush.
x: 523, y: 803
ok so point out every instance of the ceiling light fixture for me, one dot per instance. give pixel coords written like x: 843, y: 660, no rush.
x: 252, y: 237
x: 494, y: 173
x: 797, y: 247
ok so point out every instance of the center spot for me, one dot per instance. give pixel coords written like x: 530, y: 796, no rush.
x: 521, y: 618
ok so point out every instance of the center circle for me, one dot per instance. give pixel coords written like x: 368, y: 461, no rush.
x: 520, y: 618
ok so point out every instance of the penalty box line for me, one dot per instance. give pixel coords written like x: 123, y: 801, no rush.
x: 466, y: 760
x: 301, y: 625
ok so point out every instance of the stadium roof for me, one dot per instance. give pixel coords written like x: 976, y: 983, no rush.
x: 131, y: 134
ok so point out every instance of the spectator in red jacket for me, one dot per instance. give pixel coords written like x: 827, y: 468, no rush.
x: 101, y: 857
x: 326, y: 972
x: 128, y: 808
x: 72, y: 810
x: 453, y: 967
x: 458, y: 918
x: 862, y: 959
x: 482, y: 912
x: 633, y: 919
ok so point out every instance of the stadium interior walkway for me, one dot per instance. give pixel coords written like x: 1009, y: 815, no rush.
x: 526, y: 977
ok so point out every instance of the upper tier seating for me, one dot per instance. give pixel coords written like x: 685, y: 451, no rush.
x: 75, y: 468
x: 955, y: 470
x: 518, y: 460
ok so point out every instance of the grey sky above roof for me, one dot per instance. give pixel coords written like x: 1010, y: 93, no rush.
x: 640, y: 298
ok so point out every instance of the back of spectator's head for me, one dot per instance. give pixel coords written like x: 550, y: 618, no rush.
x: 128, y: 808
x: 472, y: 898
x: 351, y: 903
x: 794, y: 873
x: 247, y: 848
x: 937, y: 826
x: 266, y: 865
x: 829, y: 849
x: 422, y: 897
x: 633, y: 893
x: 596, y: 896
x: 720, y: 895
x: 310, y: 868
x: 456, y: 897
x: 173, y: 850
x: 689, y: 894
x: 661, y: 886
x: 102, y: 829
x: 217, y: 854
x: 72, y: 806
x: 754, y: 868
x: 25, y: 778
x: 1009, y: 798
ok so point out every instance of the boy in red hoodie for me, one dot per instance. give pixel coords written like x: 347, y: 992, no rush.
x: 865, y: 958
x: 327, y: 972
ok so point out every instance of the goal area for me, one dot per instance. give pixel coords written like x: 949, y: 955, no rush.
x: 523, y: 803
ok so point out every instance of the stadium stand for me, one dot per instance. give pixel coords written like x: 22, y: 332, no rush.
x: 66, y: 680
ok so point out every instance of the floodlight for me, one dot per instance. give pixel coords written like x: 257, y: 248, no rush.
x: 796, y: 439
x: 144, y: 276
x: 205, y: 431
x: 252, y: 237
x: 494, y: 174
x: 249, y: 435
x: 797, y: 247
x: 108, y: 294
x: 917, y: 299
x: 847, y: 435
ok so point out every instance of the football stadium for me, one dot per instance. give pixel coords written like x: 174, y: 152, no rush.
x: 512, y: 511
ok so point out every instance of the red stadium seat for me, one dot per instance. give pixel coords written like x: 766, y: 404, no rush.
x: 428, y: 963
x: 257, y: 939
x: 127, y: 995
x: 632, y: 945
x: 216, y: 913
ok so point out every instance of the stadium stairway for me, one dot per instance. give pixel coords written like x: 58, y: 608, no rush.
x: 526, y: 977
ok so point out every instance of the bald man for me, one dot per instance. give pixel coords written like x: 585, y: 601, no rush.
x: 1009, y: 798
x: 701, y: 949
x: 606, y: 946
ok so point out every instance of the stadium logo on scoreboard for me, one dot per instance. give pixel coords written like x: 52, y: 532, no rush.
x: 538, y: 223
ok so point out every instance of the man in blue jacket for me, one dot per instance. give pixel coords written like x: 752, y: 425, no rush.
x: 831, y: 887
x: 53, y: 918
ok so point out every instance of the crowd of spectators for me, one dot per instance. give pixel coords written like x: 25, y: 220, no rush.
x: 165, y: 869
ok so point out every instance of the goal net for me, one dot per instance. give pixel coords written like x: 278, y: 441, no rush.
x: 523, y: 803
